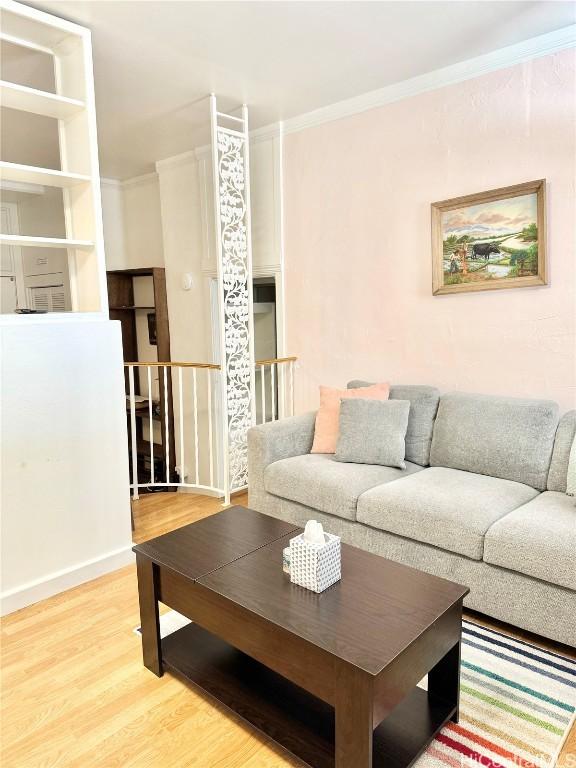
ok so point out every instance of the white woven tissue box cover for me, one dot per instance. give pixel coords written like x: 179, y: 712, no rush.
x: 315, y: 566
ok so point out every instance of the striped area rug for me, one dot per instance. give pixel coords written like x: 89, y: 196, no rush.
x: 517, y: 704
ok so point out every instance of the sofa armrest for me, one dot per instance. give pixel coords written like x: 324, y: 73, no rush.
x: 277, y: 440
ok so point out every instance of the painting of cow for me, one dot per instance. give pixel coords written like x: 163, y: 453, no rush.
x: 483, y: 250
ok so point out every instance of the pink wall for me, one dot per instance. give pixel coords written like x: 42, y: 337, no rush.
x: 358, y: 263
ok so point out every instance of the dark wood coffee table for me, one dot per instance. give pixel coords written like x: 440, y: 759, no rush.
x: 333, y: 677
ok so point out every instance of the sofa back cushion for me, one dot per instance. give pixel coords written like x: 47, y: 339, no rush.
x: 510, y: 438
x: 328, y: 415
x: 561, y: 453
x: 423, y: 406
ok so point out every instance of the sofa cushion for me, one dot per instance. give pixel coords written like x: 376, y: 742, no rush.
x: 328, y: 415
x: 423, y: 406
x: 561, y: 453
x: 538, y: 539
x: 373, y: 432
x: 508, y: 438
x: 445, y: 507
x: 319, y: 481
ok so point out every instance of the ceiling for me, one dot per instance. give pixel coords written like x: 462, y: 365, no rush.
x: 153, y: 59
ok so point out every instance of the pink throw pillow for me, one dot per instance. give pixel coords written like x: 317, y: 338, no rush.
x: 328, y: 416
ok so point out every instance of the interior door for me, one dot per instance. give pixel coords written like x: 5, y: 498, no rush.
x: 8, y: 298
x: 13, y: 293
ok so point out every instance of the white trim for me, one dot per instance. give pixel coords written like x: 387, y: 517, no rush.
x: 57, y: 317
x: 22, y: 186
x: 57, y: 22
x: 203, y: 151
x: 281, y: 313
x: 20, y: 41
x: 190, y: 156
x: 134, y: 181
x: 17, y: 263
x: 272, y: 131
x: 105, y: 182
x: 59, y: 581
x: 137, y: 181
x: 249, y: 274
x: 535, y: 47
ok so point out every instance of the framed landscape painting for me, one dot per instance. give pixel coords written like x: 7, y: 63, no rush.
x: 494, y: 239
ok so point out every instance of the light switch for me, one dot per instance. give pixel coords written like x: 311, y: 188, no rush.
x: 187, y: 281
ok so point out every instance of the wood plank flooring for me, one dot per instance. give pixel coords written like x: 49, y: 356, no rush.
x: 75, y: 693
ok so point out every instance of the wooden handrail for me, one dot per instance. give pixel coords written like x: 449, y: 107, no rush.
x: 276, y: 360
x: 214, y: 366
x: 175, y: 365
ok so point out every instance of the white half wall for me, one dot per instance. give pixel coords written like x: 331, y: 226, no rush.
x: 65, y: 486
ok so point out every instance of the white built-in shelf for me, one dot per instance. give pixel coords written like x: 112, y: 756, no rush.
x: 45, y: 242
x: 30, y: 174
x: 68, y: 50
x: 39, y: 102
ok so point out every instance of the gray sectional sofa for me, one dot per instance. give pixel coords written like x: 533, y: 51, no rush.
x: 482, y: 500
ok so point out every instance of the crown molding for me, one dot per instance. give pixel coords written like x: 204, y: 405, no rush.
x: 271, y: 131
x: 135, y: 181
x: 190, y: 156
x: 105, y: 182
x: 535, y: 47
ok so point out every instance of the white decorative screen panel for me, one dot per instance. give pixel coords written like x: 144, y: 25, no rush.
x: 235, y: 281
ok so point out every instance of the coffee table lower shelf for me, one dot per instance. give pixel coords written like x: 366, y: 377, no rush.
x: 297, y: 721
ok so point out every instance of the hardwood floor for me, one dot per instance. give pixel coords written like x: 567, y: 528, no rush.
x: 75, y: 693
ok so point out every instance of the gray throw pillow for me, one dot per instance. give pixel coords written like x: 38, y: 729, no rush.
x: 373, y: 432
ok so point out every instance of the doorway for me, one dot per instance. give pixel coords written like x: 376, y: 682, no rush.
x: 265, y: 339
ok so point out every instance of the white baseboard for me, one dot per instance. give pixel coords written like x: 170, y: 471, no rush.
x: 54, y: 583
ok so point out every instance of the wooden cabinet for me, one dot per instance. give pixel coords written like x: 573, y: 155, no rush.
x: 141, y: 308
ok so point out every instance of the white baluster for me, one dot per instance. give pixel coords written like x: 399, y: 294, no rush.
x: 196, y: 426
x: 291, y: 387
x: 273, y: 390
x: 133, y: 433
x: 181, y: 407
x: 150, y: 423
x: 263, y: 393
x: 282, y: 390
x: 166, y: 424
x: 210, y: 437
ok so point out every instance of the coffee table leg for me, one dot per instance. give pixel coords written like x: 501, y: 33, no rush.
x: 444, y: 679
x: 149, y: 617
x: 353, y: 711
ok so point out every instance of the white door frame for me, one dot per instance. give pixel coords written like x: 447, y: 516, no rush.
x: 15, y: 253
x: 216, y: 383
